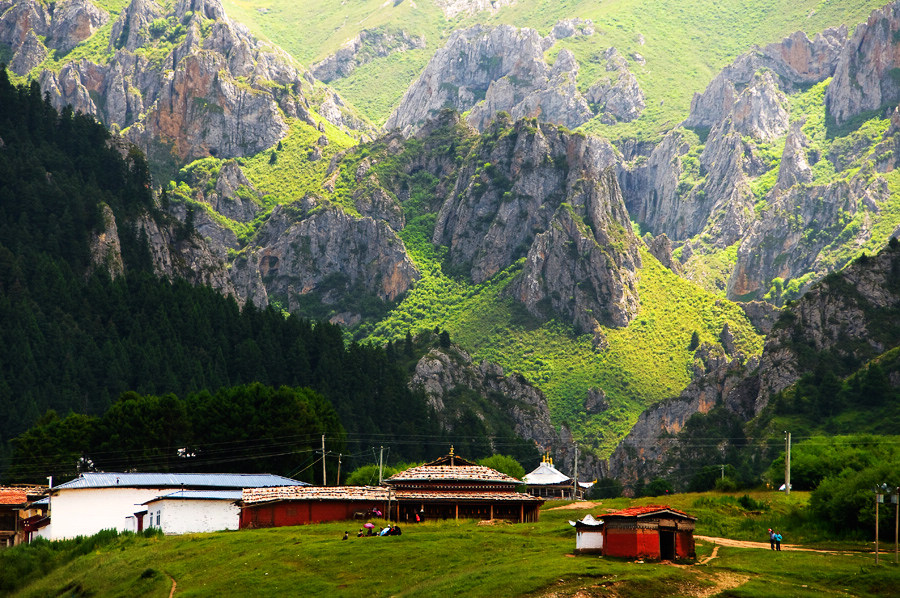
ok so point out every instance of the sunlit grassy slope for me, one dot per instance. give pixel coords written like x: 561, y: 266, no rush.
x: 448, y: 558
x: 685, y: 43
x: 644, y: 363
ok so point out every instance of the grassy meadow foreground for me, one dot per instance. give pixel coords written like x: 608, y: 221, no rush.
x: 447, y: 558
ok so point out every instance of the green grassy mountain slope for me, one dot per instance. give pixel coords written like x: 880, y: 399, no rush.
x: 649, y: 360
x: 684, y: 43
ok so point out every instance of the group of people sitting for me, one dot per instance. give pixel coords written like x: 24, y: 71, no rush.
x: 390, y: 530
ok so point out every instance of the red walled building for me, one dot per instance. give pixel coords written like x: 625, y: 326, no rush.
x: 449, y: 488
x: 299, y: 505
x: 652, y: 532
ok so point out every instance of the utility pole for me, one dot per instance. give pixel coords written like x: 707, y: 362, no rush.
x: 324, y: 483
x: 878, y: 499
x: 575, y: 481
x: 380, y: 465
x: 787, y: 463
x: 338, y: 483
x: 723, y: 470
x: 895, y: 498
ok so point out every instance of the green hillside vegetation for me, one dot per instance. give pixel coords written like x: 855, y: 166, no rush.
x: 685, y: 43
x: 853, y: 153
x: 283, y: 173
x: 843, y: 414
x: 646, y: 362
x: 509, y: 560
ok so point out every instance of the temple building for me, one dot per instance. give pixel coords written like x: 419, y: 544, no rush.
x: 548, y: 482
x: 448, y: 488
x: 652, y: 532
x: 454, y: 488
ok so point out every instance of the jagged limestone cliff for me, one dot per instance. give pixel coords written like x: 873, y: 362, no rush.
x: 182, y: 83
x: 502, y: 69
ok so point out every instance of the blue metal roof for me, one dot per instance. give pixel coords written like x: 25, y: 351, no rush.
x: 233, y: 495
x: 191, y: 481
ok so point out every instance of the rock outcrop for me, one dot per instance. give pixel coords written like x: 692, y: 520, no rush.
x: 132, y: 29
x: 691, y: 188
x: 31, y: 53
x: 442, y: 371
x: 796, y: 60
x: 788, y: 238
x: 794, y: 167
x: 661, y: 248
x: 210, y: 88
x: 329, y: 253
x: 584, y: 266
x: 365, y: 47
x: 487, y: 70
x: 865, y: 77
x: 571, y: 28
x: 531, y: 190
x: 20, y: 18
x: 106, y: 251
x: 617, y: 97
x: 73, y: 22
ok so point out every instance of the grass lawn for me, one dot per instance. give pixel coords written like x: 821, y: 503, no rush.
x: 449, y: 558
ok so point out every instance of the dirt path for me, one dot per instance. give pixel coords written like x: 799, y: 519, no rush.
x: 174, y: 585
x: 764, y: 545
x: 715, y: 554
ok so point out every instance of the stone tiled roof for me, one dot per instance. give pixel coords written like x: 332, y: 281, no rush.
x: 12, y: 496
x: 647, y: 511
x: 17, y: 495
x: 452, y: 473
x: 252, y: 496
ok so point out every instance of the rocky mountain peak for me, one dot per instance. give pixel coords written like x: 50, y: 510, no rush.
x: 20, y: 18
x: 759, y: 111
x: 207, y: 9
x: 618, y: 96
x: 795, y: 61
x: 488, y: 70
x: 794, y: 166
x: 217, y: 91
x: 131, y: 29
x: 864, y: 78
x: 365, y: 47
x: 73, y: 22
x: 30, y: 54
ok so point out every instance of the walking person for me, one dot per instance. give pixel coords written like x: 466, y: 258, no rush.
x: 771, y: 538
x: 777, y: 541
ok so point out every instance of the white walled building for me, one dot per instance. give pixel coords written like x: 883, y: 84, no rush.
x: 96, y: 501
x: 193, y: 511
x: 588, y: 535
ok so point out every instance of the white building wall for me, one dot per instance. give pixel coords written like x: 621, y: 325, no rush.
x: 589, y: 540
x: 86, y: 511
x: 44, y: 532
x: 193, y: 516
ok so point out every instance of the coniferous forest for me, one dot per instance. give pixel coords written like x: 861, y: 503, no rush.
x: 167, y: 361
